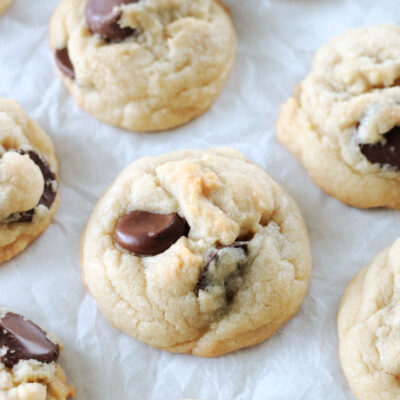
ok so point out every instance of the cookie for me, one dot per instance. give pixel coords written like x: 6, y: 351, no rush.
x: 143, y: 65
x: 196, y: 251
x: 28, y: 180
x: 343, y: 121
x: 28, y: 361
x: 369, y: 329
x: 4, y: 4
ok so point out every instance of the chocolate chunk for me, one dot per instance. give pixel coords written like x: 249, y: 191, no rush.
x: 384, y: 154
x: 49, y: 194
x: 24, y: 340
x: 64, y: 62
x: 145, y: 233
x: 102, y: 18
x: 208, y: 278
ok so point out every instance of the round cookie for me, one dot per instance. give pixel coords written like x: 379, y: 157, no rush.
x: 369, y: 329
x: 28, y: 180
x: 28, y: 361
x: 4, y: 4
x: 143, y: 65
x: 196, y: 251
x: 343, y: 121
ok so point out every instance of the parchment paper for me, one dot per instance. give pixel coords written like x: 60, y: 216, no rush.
x: 276, y: 41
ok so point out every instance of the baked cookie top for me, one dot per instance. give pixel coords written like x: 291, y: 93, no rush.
x: 143, y: 65
x: 349, y: 106
x: 196, y: 251
x: 369, y: 328
x: 28, y: 361
x: 28, y: 180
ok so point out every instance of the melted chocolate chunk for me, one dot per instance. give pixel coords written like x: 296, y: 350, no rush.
x: 384, y: 154
x: 64, y: 62
x: 103, y: 19
x: 206, y: 278
x: 145, y: 233
x: 24, y: 340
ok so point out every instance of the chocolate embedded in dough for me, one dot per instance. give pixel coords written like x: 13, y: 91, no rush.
x: 49, y: 193
x: 24, y: 216
x: 64, y: 62
x: 102, y: 18
x: 146, y: 233
x: 21, y: 339
x: 384, y: 154
x: 206, y: 277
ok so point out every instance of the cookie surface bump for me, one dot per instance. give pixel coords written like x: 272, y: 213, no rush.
x: 237, y: 273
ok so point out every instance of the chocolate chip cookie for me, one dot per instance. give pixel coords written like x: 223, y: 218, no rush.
x: 343, y: 121
x: 28, y: 361
x: 369, y: 329
x: 196, y: 251
x: 143, y: 65
x: 28, y: 180
x: 4, y: 4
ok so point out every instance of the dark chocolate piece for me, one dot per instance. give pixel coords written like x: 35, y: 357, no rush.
x: 384, y: 154
x: 64, y: 62
x: 146, y: 233
x: 103, y: 19
x: 24, y: 340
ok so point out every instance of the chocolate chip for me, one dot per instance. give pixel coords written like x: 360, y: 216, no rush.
x: 24, y: 340
x: 102, y: 18
x: 145, y: 233
x: 384, y: 154
x: 207, y: 277
x: 64, y: 62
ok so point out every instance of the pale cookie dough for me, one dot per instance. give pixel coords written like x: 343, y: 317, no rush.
x: 167, y: 71
x: 343, y: 120
x: 4, y: 4
x: 369, y: 329
x: 228, y: 257
x: 28, y: 182
x: 28, y: 361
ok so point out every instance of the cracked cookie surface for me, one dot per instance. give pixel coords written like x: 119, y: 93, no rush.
x: 28, y: 182
x: 343, y: 120
x: 144, y: 65
x: 369, y: 328
x: 235, y: 275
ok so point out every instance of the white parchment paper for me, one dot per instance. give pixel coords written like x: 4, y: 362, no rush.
x: 276, y: 41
